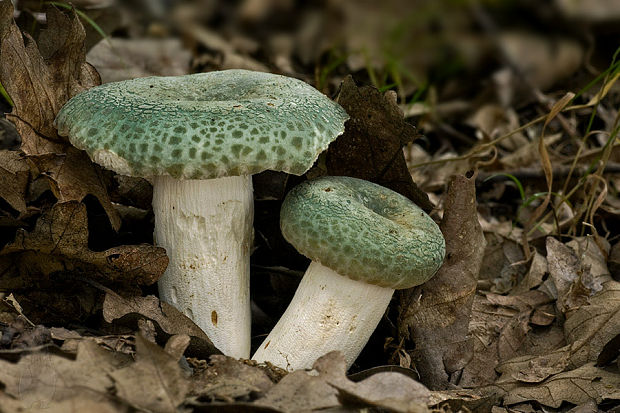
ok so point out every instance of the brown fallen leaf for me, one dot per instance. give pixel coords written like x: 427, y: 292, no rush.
x: 59, y: 243
x: 534, y: 276
x: 514, y: 334
x: 500, y: 328
x: 436, y: 315
x: 327, y: 387
x: 371, y: 146
x: 222, y: 54
x: 503, y: 264
x: 228, y: 380
x: 120, y: 59
x: 588, y: 331
x: 386, y: 390
x: 168, y: 321
x: 80, y: 402
x: 14, y: 176
x: 43, y: 378
x: 155, y: 382
x: 40, y: 79
x: 565, y: 271
x: 466, y: 400
x: 584, y: 384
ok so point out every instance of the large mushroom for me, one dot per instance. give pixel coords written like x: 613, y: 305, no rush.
x: 199, y: 138
x: 364, y: 241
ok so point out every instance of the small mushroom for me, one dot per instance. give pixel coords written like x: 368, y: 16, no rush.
x: 364, y: 241
x: 199, y: 138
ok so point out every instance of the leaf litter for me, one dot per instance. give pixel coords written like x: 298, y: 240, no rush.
x: 524, y: 314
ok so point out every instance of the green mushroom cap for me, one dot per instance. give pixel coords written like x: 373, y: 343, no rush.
x: 201, y: 126
x: 362, y: 231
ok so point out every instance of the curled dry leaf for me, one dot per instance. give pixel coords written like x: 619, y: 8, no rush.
x: 14, y: 174
x: 59, y: 243
x: 577, y: 386
x: 48, y: 378
x: 168, y: 320
x: 501, y: 330
x: 589, y: 329
x: 463, y: 400
x: 301, y: 391
x: 78, y: 403
x: 39, y: 80
x: 371, y: 146
x: 535, y: 274
x: 386, y: 390
x: 436, y: 314
x: 155, y: 382
x: 565, y: 271
x: 594, y: 325
x: 588, y: 296
x: 330, y: 388
x: 228, y: 380
x: 503, y: 264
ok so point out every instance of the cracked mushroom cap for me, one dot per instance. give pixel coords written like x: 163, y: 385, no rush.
x: 201, y: 126
x: 362, y: 231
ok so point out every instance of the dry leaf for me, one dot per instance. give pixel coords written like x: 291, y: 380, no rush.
x: 463, y: 400
x: 542, y: 60
x: 577, y: 386
x: 80, y: 402
x: 371, y: 146
x: 386, y: 390
x: 42, y: 378
x: 59, y: 243
x: 168, y: 320
x: 301, y: 391
x: 227, y: 379
x: 590, y: 11
x: 588, y: 330
x: 330, y: 388
x: 501, y: 328
x: 535, y: 275
x: 503, y: 264
x: 14, y: 174
x: 154, y: 382
x: 120, y: 59
x: 493, y: 120
x: 594, y: 325
x: 436, y: 314
x: 222, y: 54
x: 571, y: 276
x: 40, y: 80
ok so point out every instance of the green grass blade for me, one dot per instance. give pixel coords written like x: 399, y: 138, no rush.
x: 514, y: 179
x: 6, y: 95
x: 83, y: 15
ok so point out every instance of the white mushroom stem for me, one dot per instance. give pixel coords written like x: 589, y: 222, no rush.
x: 328, y: 312
x: 206, y: 228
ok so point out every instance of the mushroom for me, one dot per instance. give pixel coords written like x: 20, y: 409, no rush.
x: 199, y: 138
x: 364, y: 241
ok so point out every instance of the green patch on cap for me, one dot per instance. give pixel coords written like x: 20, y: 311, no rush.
x: 207, y: 125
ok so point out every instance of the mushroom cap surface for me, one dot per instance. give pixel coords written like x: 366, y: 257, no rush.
x: 201, y: 126
x: 362, y: 231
